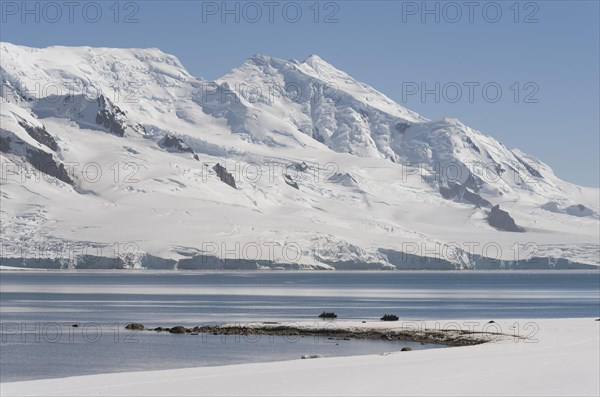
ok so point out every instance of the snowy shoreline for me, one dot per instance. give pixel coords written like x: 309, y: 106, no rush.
x: 547, y: 357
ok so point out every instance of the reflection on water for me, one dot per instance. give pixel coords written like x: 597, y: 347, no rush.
x: 91, y: 349
x: 103, y: 302
x: 191, y: 297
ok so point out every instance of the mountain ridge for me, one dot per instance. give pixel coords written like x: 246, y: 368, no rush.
x: 326, y: 144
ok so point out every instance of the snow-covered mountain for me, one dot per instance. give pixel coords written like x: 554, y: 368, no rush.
x: 121, y: 158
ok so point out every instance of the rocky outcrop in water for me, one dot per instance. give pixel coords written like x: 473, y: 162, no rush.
x: 135, y: 326
x: 178, y: 330
x: 445, y: 337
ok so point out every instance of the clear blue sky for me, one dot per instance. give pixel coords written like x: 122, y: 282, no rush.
x: 387, y: 45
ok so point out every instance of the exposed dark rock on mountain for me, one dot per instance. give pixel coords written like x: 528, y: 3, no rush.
x: 578, y: 210
x: 473, y: 182
x: 288, y: 179
x: 529, y: 168
x: 114, y: 119
x: 462, y: 194
x: 40, y: 160
x: 501, y: 220
x: 4, y: 144
x: 343, y: 179
x: 225, y: 176
x: 40, y: 135
x: 472, y: 144
x: 46, y: 163
x: 301, y: 166
x: 402, y: 127
x: 173, y: 143
x: 110, y: 117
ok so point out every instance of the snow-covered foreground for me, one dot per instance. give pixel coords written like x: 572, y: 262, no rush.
x: 559, y: 357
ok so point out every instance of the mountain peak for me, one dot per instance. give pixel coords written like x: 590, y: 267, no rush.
x: 259, y: 58
x: 313, y: 64
x: 313, y: 58
x: 318, y: 64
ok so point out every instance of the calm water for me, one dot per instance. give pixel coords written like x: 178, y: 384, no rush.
x: 103, y: 302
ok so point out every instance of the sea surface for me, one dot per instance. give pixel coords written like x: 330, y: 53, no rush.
x: 38, y: 309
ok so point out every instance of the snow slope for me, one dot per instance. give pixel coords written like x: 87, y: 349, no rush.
x: 560, y: 358
x: 322, y: 172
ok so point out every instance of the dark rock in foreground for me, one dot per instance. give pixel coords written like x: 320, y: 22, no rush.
x: 328, y: 315
x: 444, y: 337
x: 135, y: 326
x: 178, y: 330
